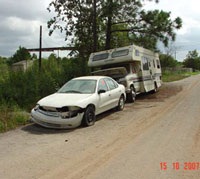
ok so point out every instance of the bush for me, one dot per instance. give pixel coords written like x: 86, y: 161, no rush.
x: 26, y: 88
x: 20, y: 90
x: 11, y: 117
x: 168, y: 76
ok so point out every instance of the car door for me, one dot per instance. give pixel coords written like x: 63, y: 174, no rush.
x: 104, y: 97
x: 115, y: 92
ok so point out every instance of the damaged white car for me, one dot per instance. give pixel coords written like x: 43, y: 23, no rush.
x: 78, y: 102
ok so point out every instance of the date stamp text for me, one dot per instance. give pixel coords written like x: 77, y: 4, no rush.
x: 180, y: 166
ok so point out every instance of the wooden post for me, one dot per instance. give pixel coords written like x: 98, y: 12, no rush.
x: 94, y: 26
x: 40, y: 49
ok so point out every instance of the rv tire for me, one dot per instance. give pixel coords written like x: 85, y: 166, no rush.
x: 155, y: 87
x: 131, y: 96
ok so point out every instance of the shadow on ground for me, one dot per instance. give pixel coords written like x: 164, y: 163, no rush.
x: 39, y: 130
x: 167, y: 90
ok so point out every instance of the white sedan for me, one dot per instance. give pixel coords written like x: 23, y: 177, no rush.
x: 78, y: 102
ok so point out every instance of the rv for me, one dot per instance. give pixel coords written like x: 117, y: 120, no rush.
x: 137, y: 68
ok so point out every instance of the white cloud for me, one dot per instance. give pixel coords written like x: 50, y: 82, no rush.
x: 17, y: 24
x: 21, y: 20
x: 21, y: 23
x: 188, y: 37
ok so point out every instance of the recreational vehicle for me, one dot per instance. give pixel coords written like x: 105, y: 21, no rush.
x: 137, y: 68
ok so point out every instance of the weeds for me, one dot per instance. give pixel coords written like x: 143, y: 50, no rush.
x: 12, y: 117
x: 168, y: 76
x: 20, y: 90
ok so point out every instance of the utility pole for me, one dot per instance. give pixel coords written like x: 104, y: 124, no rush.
x: 40, y: 49
x: 109, y: 25
x: 94, y: 26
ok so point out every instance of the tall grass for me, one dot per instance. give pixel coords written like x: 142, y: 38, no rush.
x: 26, y: 88
x: 12, y: 117
x: 168, y: 76
x: 20, y: 90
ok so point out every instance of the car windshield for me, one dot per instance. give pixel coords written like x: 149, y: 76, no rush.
x: 82, y: 86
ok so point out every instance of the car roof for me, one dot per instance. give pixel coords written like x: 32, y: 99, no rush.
x: 92, y: 77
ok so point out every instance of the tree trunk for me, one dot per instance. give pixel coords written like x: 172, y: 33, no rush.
x: 108, y: 33
x: 95, y: 38
x: 109, y: 26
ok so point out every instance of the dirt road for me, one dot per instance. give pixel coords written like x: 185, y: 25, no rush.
x: 158, y: 137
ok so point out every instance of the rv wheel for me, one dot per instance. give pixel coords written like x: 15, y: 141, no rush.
x: 155, y: 87
x: 131, y: 95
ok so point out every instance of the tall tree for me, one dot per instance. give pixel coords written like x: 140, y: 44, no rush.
x: 75, y: 18
x: 3, y: 68
x: 192, y: 60
x: 167, y: 61
x: 20, y: 55
x: 94, y: 24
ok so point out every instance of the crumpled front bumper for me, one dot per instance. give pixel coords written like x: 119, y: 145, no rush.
x: 56, y: 121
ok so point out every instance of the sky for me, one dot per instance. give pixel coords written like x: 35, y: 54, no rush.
x: 20, y: 22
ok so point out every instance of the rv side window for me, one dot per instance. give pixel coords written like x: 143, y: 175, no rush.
x: 154, y: 64
x: 149, y: 64
x: 158, y: 63
x: 120, y: 53
x: 137, y: 53
x: 102, y: 56
x: 145, y: 63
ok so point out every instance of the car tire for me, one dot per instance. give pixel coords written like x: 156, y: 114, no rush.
x: 121, y: 103
x: 131, y: 96
x: 89, y: 117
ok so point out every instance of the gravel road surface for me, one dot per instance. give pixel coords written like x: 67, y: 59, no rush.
x: 157, y: 137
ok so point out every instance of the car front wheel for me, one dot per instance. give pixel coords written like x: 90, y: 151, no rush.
x: 89, y: 117
x: 121, y: 103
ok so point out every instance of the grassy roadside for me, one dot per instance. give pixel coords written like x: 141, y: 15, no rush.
x: 175, y: 76
x: 12, y: 117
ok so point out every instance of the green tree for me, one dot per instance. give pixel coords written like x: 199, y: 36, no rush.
x: 146, y: 28
x: 75, y: 19
x: 79, y: 19
x: 3, y: 69
x: 167, y: 61
x: 20, y: 55
x: 34, y: 56
x: 192, y: 60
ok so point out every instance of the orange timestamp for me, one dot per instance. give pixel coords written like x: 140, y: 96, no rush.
x: 180, y: 166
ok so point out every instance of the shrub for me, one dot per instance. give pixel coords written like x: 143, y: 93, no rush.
x: 11, y: 117
x: 26, y: 88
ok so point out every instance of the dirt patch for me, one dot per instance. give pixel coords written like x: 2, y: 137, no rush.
x: 157, y: 131
x: 166, y: 91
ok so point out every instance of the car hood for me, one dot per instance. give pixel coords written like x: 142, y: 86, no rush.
x: 59, y: 100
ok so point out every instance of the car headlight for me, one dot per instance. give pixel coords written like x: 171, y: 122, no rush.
x: 36, y: 107
x: 72, y: 112
x: 73, y: 108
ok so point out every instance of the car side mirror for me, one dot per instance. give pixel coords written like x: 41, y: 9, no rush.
x: 101, y: 91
